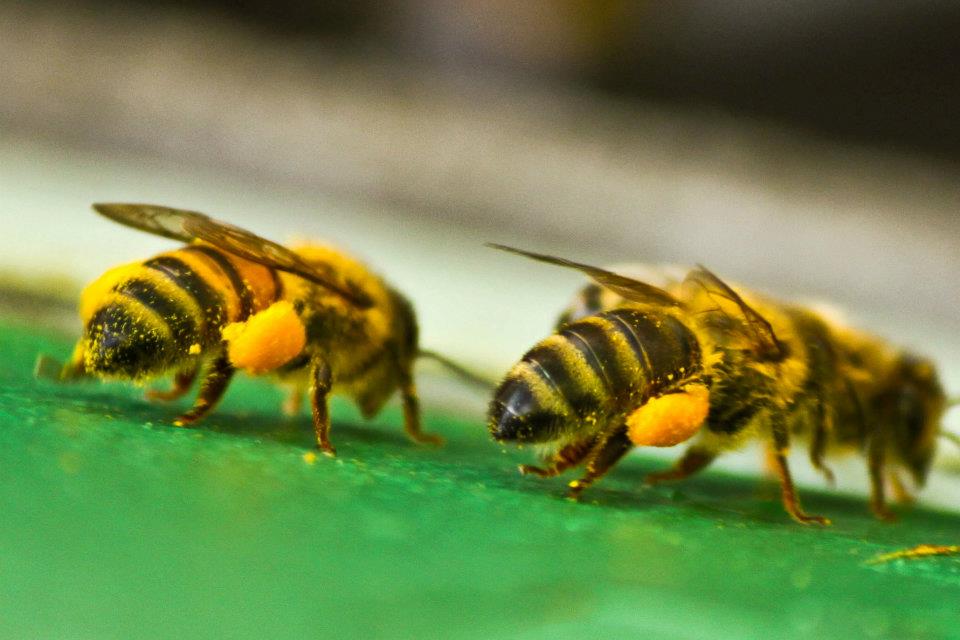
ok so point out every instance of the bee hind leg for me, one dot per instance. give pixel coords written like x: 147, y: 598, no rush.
x: 411, y: 410
x: 182, y: 381
x: 900, y: 492
x: 693, y: 461
x: 601, y: 459
x: 212, y: 388
x: 567, y: 457
x: 293, y: 402
x: 876, y: 466
x: 791, y: 502
x: 818, y: 447
x: 320, y: 383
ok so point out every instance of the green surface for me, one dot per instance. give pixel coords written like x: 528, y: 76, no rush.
x: 118, y: 525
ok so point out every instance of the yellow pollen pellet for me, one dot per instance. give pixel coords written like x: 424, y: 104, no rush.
x: 669, y: 419
x: 267, y: 340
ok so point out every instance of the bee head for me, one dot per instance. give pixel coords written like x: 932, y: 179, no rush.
x: 517, y: 414
x: 919, y: 405
x: 119, y: 342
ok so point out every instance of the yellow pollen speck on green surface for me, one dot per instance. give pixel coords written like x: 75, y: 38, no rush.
x: 919, y: 551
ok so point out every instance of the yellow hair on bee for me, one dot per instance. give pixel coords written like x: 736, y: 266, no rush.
x: 94, y: 294
x: 267, y: 340
x: 669, y: 419
x: 350, y: 270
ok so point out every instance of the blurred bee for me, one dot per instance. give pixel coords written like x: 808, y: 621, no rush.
x: 634, y: 364
x: 313, y: 316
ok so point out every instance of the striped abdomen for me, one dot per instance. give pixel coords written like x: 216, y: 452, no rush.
x: 144, y: 318
x: 590, y: 371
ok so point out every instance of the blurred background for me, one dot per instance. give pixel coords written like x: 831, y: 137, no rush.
x: 810, y: 149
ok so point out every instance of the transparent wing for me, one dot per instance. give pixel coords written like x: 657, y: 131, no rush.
x: 592, y: 298
x: 187, y: 226
x: 766, y: 344
x: 630, y: 289
x: 160, y: 221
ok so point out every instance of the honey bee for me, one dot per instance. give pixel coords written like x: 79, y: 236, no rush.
x: 695, y: 359
x: 313, y: 316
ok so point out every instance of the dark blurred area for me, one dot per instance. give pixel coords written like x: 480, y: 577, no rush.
x: 882, y: 73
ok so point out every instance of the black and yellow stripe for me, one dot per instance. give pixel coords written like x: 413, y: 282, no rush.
x: 178, y: 316
x: 591, y: 368
x: 238, y: 286
x: 208, y: 299
x: 150, y: 316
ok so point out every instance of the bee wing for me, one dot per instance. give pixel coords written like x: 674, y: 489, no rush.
x: 630, y: 289
x: 766, y: 344
x: 665, y: 276
x: 188, y: 226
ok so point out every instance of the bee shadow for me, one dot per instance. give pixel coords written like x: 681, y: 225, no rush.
x: 721, y: 495
x: 294, y: 431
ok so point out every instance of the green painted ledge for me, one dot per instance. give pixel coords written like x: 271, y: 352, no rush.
x: 117, y: 525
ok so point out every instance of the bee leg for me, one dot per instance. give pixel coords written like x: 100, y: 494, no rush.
x: 602, y: 457
x: 291, y: 406
x: 320, y: 383
x: 818, y: 448
x: 51, y: 369
x: 182, y: 382
x: 900, y: 492
x: 791, y: 502
x: 789, y: 495
x: 411, y: 410
x: 875, y: 464
x: 693, y: 460
x: 211, y: 390
x: 569, y: 456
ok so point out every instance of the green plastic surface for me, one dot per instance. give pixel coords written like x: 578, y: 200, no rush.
x: 116, y: 524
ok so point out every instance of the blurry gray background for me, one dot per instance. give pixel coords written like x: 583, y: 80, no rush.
x: 809, y: 149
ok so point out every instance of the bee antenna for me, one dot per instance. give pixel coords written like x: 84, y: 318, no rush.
x: 464, y: 374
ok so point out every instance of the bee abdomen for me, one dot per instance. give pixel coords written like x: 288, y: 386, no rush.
x: 658, y: 348
x: 172, y: 313
x: 611, y: 359
x: 607, y: 360
x: 179, y: 274
x: 239, y: 287
x: 549, y: 390
x: 246, y: 287
x: 554, y: 362
x: 591, y: 369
